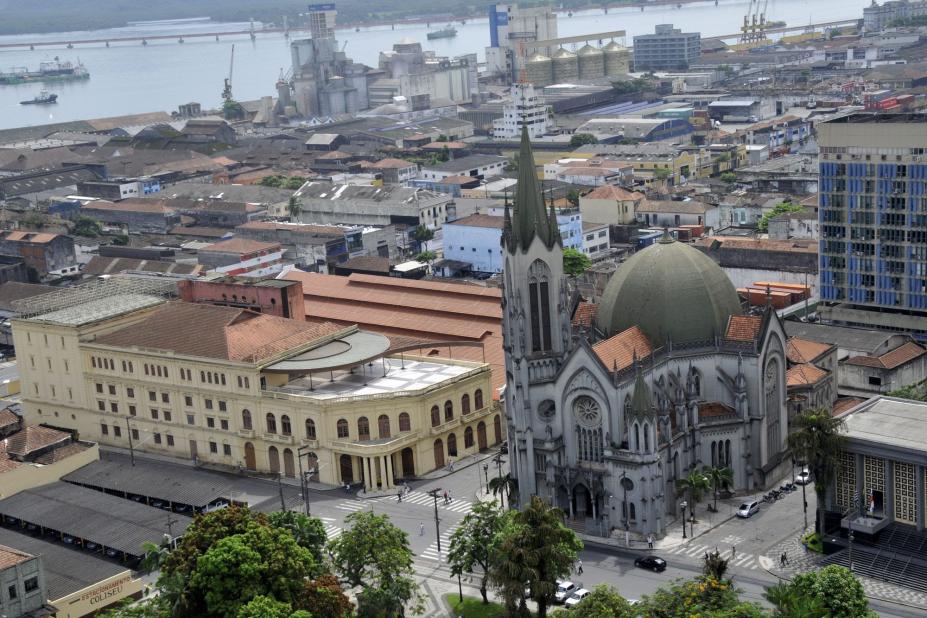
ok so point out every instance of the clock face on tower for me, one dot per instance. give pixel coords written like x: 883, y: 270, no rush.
x: 587, y: 412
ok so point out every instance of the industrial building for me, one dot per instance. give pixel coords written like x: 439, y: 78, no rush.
x: 873, y: 223
x: 667, y: 49
x: 412, y: 73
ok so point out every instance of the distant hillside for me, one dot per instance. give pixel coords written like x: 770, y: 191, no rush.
x: 70, y: 15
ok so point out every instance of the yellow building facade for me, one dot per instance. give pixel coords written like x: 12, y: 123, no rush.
x: 225, y: 386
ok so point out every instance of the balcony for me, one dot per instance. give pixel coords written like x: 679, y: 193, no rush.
x: 380, y: 446
x: 310, y: 442
x: 278, y: 437
x: 448, y: 425
x: 248, y: 434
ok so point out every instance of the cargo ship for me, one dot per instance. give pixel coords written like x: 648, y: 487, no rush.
x: 447, y: 32
x: 43, y: 98
x: 50, y: 71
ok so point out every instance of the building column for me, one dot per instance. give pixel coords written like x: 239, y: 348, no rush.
x: 389, y: 470
x: 919, y: 492
x: 860, y: 482
x: 369, y: 481
x: 888, y: 500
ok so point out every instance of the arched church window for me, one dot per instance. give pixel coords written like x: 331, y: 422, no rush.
x: 637, y: 437
x: 714, y: 455
x: 646, y: 438
x: 696, y: 383
x: 727, y: 453
x: 632, y: 512
x: 539, y: 304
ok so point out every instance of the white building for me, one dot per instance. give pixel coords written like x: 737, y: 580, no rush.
x: 524, y: 110
x: 595, y: 240
x: 478, y: 166
x: 509, y: 28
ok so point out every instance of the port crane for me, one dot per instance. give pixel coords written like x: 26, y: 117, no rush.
x: 754, y: 28
x: 227, y: 88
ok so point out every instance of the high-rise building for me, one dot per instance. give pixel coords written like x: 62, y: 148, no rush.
x: 322, y: 20
x: 667, y: 49
x: 526, y: 110
x: 873, y: 215
x: 510, y: 28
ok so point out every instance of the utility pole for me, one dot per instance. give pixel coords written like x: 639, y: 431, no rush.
x: 131, y: 447
x: 303, y: 484
x: 499, y: 461
x: 434, y: 494
x: 280, y: 488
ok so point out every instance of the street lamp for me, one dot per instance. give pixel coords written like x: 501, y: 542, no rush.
x: 684, y: 505
x: 486, y: 474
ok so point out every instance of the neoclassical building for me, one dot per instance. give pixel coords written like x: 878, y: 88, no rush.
x: 669, y: 376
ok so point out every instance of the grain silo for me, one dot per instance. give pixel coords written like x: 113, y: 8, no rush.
x: 566, y: 66
x: 617, y: 60
x: 539, y: 70
x: 591, y: 62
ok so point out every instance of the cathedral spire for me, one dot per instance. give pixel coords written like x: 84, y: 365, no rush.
x: 641, y: 405
x: 530, y: 217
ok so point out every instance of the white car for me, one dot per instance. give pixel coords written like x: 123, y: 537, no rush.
x: 748, y: 509
x: 577, y: 597
x: 564, y: 591
x: 803, y: 477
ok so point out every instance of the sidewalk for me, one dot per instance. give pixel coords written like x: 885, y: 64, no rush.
x: 456, y: 466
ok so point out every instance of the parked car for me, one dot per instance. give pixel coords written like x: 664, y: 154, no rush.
x: 564, y: 591
x: 577, y: 597
x: 803, y: 477
x: 651, y: 563
x: 748, y: 509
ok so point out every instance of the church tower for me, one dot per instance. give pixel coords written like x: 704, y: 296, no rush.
x: 536, y: 320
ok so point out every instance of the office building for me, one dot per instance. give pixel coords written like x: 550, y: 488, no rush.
x: 873, y: 247
x: 525, y: 109
x: 667, y: 49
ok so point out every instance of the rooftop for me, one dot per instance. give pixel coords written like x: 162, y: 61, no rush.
x: 479, y: 220
x: 620, y: 351
x: 743, y: 327
x: 226, y: 333
x: 690, y: 207
x: 804, y: 350
x: 240, y: 245
x: 888, y: 421
x: 463, y: 164
x: 612, y: 192
x: 904, y: 353
x: 10, y: 557
x: 804, y: 374
x: 14, y: 290
x: 842, y: 336
x: 30, y: 439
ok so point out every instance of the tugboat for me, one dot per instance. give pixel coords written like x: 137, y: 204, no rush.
x: 447, y: 32
x: 43, y: 98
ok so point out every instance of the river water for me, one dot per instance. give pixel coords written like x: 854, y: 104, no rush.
x: 130, y: 78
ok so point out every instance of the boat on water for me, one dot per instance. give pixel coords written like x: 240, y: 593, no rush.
x: 43, y: 98
x: 49, y: 71
x: 447, y: 32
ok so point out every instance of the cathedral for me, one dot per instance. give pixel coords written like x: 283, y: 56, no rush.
x: 670, y: 376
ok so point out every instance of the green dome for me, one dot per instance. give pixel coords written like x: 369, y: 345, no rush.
x: 671, y: 291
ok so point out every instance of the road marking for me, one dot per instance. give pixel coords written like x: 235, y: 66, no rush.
x: 424, y: 499
x: 431, y: 552
x: 351, y: 505
x: 332, y: 532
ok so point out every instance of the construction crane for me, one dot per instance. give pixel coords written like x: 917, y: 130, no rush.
x: 227, y: 89
x: 754, y: 28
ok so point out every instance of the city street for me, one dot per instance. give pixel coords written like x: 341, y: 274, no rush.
x: 754, y: 540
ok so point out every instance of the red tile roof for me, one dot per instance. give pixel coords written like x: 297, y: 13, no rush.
x: 209, y: 331
x: 714, y: 409
x: 743, y: 327
x: 846, y: 403
x: 302, y: 228
x: 31, y: 438
x: 7, y: 418
x: 11, y: 557
x: 27, y: 236
x: 804, y: 351
x: 479, y: 220
x: 804, y: 374
x: 611, y: 192
x: 585, y: 314
x: 392, y: 164
x: 899, y: 356
x: 619, y: 351
x: 241, y: 245
x: 141, y: 205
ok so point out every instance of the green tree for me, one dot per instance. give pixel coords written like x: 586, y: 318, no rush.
x: 603, y: 602
x: 506, y: 485
x: 471, y: 543
x: 714, y: 566
x: 294, y: 182
x: 85, y: 226
x: 294, y: 208
x: 533, y: 548
x: 268, y: 607
x: 787, y: 602
x: 835, y: 586
x: 573, y: 197
x: 719, y: 479
x: 728, y: 177
x: 426, y: 257
x: 309, y: 533
x: 661, y: 175
x: 511, y: 165
x: 575, y: 262
x: 815, y: 439
x: 120, y: 240
x: 702, y: 596
x: 375, y: 554
x: 34, y: 221
x: 275, y: 181
x: 325, y: 598
x: 581, y: 139
x: 778, y: 209
x: 422, y: 234
x: 695, y: 484
x: 918, y: 392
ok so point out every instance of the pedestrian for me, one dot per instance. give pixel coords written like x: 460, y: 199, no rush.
x: 421, y: 529
x: 785, y: 556
x: 449, y: 498
x: 445, y: 496
x: 399, y: 496
x: 733, y: 551
x: 650, y: 541
x: 579, y: 567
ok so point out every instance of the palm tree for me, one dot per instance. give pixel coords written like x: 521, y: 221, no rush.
x: 719, y: 479
x: 505, y: 485
x: 788, y: 603
x: 422, y: 234
x: 816, y: 440
x: 695, y: 484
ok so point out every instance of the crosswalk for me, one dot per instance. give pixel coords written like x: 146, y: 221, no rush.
x: 351, y: 505
x: 743, y: 561
x: 423, y: 499
x: 331, y: 530
x: 431, y: 552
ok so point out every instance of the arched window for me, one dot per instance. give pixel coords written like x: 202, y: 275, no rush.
x: 405, y: 422
x: 468, y: 437
x: 452, y: 445
x: 646, y: 438
x: 448, y: 411
x: 310, y: 429
x: 539, y: 305
x: 465, y: 404
x: 273, y: 458
x: 727, y: 453
x: 383, y: 426
x: 246, y: 419
x: 435, y: 416
x: 627, y: 405
x: 271, y: 423
x: 342, y: 426
x: 696, y: 383
x: 363, y: 428
x: 285, y: 425
x: 478, y: 399
x: 637, y: 438
x: 632, y: 511
x: 714, y: 458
